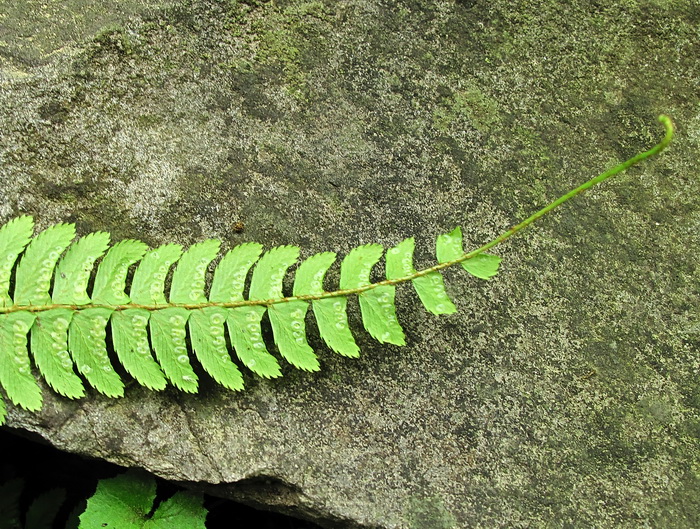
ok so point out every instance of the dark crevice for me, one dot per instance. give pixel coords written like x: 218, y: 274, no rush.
x: 37, y: 467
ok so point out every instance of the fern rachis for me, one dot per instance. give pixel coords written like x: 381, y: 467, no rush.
x: 66, y: 329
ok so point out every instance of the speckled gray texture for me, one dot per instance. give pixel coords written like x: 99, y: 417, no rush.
x: 565, y: 391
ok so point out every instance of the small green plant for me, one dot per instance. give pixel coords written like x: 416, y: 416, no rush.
x: 66, y: 329
x: 126, y: 502
x: 123, y: 502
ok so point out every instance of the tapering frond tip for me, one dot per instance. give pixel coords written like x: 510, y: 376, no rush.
x: 667, y: 123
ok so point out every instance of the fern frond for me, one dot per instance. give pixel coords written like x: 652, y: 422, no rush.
x: 49, y: 316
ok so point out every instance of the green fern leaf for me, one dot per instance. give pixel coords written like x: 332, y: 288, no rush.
x: 35, y: 270
x: 330, y: 313
x: 209, y: 344
x: 206, y: 325
x: 189, y: 277
x: 379, y: 315
x: 73, y: 271
x: 130, y: 339
x: 430, y: 287
x: 245, y: 332
x: 265, y: 284
x: 148, y: 285
x: 243, y: 323
x: 286, y: 319
x: 110, y: 281
x: 483, y: 266
x: 230, y: 275
x: 289, y: 330
x: 49, y: 344
x: 15, y: 371
x: 376, y: 305
x: 449, y: 248
x: 14, y: 237
x: 357, y: 265
x: 309, y: 276
x: 168, y: 336
x: 87, y: 343
x: 332, y: 320
x: 268, y: 274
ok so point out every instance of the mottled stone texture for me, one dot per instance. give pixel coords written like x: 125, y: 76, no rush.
x: 565, y: 391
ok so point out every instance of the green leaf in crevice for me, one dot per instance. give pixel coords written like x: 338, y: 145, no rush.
x: 125, y: 502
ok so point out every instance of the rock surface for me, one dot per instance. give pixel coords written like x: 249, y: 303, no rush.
x: 563, y: 393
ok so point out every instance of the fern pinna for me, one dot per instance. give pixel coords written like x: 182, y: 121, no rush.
x: 66, y: 329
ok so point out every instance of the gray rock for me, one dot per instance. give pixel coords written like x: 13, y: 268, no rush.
x: 563, y: 393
